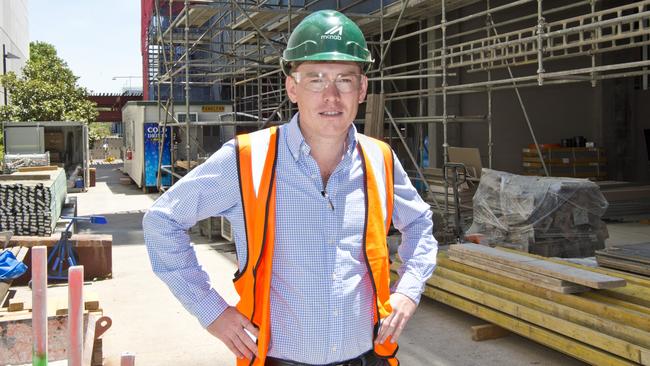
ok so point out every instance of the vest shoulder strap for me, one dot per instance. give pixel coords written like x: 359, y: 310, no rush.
x: 380, y: 156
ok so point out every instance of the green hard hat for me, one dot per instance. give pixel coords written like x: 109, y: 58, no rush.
x: 326, y: 35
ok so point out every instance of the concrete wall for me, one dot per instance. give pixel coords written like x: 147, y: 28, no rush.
x: 14, y: 34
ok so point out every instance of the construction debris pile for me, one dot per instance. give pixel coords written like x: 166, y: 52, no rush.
x: 558, y: 217
x: 30, y: 203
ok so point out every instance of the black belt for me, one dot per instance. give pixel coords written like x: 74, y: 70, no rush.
x: 367, y: 359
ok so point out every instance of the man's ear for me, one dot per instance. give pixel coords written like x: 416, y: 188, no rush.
x: 364, y: 88
x: 291, y: 85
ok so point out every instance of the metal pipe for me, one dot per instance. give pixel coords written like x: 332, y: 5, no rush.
x: 390, y: 40
x: 519, y: 19
x: 541, y: 23
x: 187, y: 90
x: 548, y: 81
x: 488, y: 23
x: 408, y: 150
x: 406, y: 77
x: 535, y: 37
x: 593, y: 45
x: 255, y: 26
x: 268, y: 119
x: 463, y: 19
x: 523, y: 108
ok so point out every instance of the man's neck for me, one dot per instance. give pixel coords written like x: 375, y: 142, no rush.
x: 327, y: 151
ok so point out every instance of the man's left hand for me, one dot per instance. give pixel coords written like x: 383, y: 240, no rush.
x: 392, y: 325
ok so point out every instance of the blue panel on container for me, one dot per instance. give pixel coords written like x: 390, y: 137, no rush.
x: 152, y: 137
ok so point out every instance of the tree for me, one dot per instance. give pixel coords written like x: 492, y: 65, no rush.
x: 97, y: 131
x: 47, y: 91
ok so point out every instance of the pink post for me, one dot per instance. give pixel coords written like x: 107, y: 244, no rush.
x: 75, y: 315
x: 128, y: 359
x: 39, y: 305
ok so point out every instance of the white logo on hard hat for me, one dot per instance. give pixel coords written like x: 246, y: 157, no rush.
x: 333, y: 33
x: 335, y: 29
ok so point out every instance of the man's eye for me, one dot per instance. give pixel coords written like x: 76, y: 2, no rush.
x: 315, y: 81
x: 345, y: 80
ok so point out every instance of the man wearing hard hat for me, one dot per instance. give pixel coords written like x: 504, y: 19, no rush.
x: 310, y: 203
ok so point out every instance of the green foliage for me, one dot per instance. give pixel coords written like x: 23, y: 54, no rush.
x: 97, y: 131
x: 47, y: 91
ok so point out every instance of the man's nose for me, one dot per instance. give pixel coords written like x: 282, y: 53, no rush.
x: 331, y: 91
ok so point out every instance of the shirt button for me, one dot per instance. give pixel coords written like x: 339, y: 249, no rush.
x: 334, y: 276
x: 334, y: 349
x: 336, y: 313
x: 330, y: 241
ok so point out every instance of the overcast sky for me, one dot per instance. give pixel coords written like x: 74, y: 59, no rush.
x: 99, y: 39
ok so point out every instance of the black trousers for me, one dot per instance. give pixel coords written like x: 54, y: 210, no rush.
x: 367, y: 359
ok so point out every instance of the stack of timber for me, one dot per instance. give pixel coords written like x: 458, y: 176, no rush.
x: 31, y: 201
x: 553, y: 217
x: 627, y: 201
x: 630, y: 258
x: 605, y: 326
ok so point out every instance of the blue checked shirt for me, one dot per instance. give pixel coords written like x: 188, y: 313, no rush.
x: 321, y: 291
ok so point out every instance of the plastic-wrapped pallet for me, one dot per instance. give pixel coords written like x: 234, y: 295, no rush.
x: 549, y: 216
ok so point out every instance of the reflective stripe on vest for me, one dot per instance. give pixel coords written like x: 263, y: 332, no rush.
x: 256, y: 160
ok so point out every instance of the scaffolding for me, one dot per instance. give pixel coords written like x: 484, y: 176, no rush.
x: 229, y: 50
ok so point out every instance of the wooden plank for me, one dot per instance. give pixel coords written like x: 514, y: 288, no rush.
x: 623, y: 264
x: 486, y: 332
x: 538, y: 334
x: 633, y: 252
x: 37, y: 168
x: 628, y: 333
x: 15, y: 305
x: 635, y: 282
x: 621, y: 304
x: 79, y: 240
x: 467, y: 257
x: 578, y: 332
x: 577, y: 275
x: 569, y: 289
x: 91, y: 300
x: 13, y: 177
x: 586, y: 302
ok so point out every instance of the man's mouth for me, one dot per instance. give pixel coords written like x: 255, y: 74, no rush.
x: 330, y: 113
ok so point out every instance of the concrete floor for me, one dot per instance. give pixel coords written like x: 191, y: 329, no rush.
x: 149, y: 322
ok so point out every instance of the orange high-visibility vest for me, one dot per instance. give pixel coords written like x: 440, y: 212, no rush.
x: 257, y: 159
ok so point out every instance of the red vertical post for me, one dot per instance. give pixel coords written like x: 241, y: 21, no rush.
x: 75, y: 315
x: 39, y: 305
x: 128, y: 359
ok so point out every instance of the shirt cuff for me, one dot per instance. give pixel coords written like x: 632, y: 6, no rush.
x: 210, y: 308
x: 410, y: 286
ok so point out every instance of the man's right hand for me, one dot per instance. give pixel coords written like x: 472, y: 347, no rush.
x: 229, y: 328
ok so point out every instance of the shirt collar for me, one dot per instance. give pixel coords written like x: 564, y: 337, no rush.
x: 296, y: 141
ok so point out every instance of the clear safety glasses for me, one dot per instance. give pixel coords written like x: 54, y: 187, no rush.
x: 318, y: 81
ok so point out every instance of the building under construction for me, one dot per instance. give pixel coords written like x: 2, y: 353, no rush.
x: 521, y: 81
